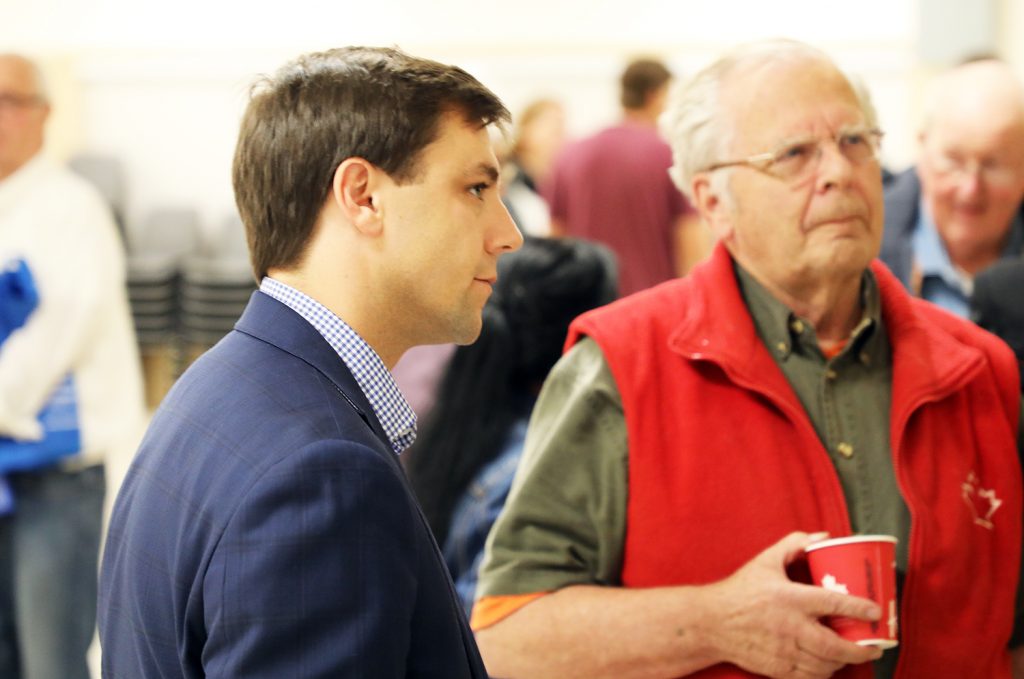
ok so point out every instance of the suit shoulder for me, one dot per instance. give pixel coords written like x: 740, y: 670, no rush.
x: 243, y: 408
x: 347, y: 474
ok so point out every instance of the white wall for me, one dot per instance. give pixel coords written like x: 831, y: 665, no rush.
x: 162, y: 85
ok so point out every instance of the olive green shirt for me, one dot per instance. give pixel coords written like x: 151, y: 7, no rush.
x: 847, y: 398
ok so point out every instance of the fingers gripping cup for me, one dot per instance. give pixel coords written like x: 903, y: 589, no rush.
x: 864, y: 566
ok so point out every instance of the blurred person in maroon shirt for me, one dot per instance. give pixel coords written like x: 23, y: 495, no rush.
x: 613, y: 187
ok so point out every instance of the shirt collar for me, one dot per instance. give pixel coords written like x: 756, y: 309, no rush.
x: 13, y: 187
x: 783, y: 332
x: 930, y: 254
x: 392, y: 410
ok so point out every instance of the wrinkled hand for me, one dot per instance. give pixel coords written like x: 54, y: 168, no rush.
x: 769, y: 625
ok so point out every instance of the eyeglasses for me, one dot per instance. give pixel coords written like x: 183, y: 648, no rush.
x: 953, y: 167
x: 10, y: 102
x: 797, y: 160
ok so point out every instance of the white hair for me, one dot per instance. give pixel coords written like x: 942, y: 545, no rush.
x: 701, y: 133
x: 989, y: 84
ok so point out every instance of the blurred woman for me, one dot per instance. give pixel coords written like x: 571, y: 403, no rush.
x: 539, y: 136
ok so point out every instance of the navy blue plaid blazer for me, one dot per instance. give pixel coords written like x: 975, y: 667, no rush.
x: 266, y: 528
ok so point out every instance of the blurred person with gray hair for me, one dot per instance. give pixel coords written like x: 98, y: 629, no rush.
x: 959, y: 210
x: 697, y: 437
x: 71, y: 400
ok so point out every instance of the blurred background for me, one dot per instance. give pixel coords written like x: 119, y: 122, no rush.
x: 160, y: 86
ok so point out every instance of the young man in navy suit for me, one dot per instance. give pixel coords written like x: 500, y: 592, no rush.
x: 266, y: 528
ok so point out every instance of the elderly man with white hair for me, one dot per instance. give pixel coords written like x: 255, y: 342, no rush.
x: 696, y: 437
x: 70, y: 353
x: 959, y: 210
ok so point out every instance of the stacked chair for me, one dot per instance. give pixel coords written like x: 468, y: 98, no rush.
x: 106, y: 173
x: 187, y: 286
x: 156, y: 252
x: 216, y: 284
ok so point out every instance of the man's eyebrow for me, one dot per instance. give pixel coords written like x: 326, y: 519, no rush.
x: 803, y: 138
x: 792, y: 139
x: 856, y: 127
x: 488, y: 169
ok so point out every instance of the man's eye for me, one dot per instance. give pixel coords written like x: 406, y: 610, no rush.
x: 854, y: 139
x: 951, y: 161
x: 795, y: 152
x: 478, y: 189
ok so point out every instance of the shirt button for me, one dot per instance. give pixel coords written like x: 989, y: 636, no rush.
x: 797, y: 326
x: 831, y: 374
x: 782, y: 347
x: 845, y: 449
x: 864, y: 358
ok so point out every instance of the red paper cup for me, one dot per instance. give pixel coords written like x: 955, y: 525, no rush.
x: 864, y: 566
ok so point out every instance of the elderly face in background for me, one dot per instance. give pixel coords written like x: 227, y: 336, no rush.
x: 802, y: 202
x: 23, y: 113
x: 972, y: 158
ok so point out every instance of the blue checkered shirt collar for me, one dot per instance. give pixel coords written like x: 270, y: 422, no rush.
x: 391, y: 408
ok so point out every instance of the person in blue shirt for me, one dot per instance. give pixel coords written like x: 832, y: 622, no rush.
x: 464, y: 459
x: 959, y: 210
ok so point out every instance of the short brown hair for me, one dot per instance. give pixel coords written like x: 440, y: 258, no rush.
x: 640, y: 80
x: 379, y: 104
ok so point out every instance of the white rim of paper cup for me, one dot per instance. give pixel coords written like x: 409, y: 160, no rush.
x: 853, y: 539
x: 883, y: 644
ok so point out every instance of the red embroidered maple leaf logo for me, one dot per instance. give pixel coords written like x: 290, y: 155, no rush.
x: 982, y: 502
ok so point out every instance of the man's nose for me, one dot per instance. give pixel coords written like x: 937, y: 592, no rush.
x: 969, y: 183
x: 834, y: 168
x: 505, y: 235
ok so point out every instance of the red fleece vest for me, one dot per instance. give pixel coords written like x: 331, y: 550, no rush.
x: 723, y: 460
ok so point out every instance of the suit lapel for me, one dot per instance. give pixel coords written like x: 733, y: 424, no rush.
x: 270, y: 321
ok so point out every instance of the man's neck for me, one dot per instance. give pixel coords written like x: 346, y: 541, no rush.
x: 8, y: 169
x: 973, y: 260
x: 833, y: 307
x: 355, y: 308
x: 640, y: 116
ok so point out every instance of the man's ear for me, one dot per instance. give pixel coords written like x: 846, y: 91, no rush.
x: 352, y: 191
x: 714, y: 208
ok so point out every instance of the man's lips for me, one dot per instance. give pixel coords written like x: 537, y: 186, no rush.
x: 839, y: 219
x: 970, y: 210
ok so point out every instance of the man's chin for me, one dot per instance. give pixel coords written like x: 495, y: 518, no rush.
x: 848, y: 254
x: 467, y: 332
x: 966, y: 233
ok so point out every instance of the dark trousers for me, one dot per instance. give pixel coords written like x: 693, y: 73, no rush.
x: 48, y: 571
